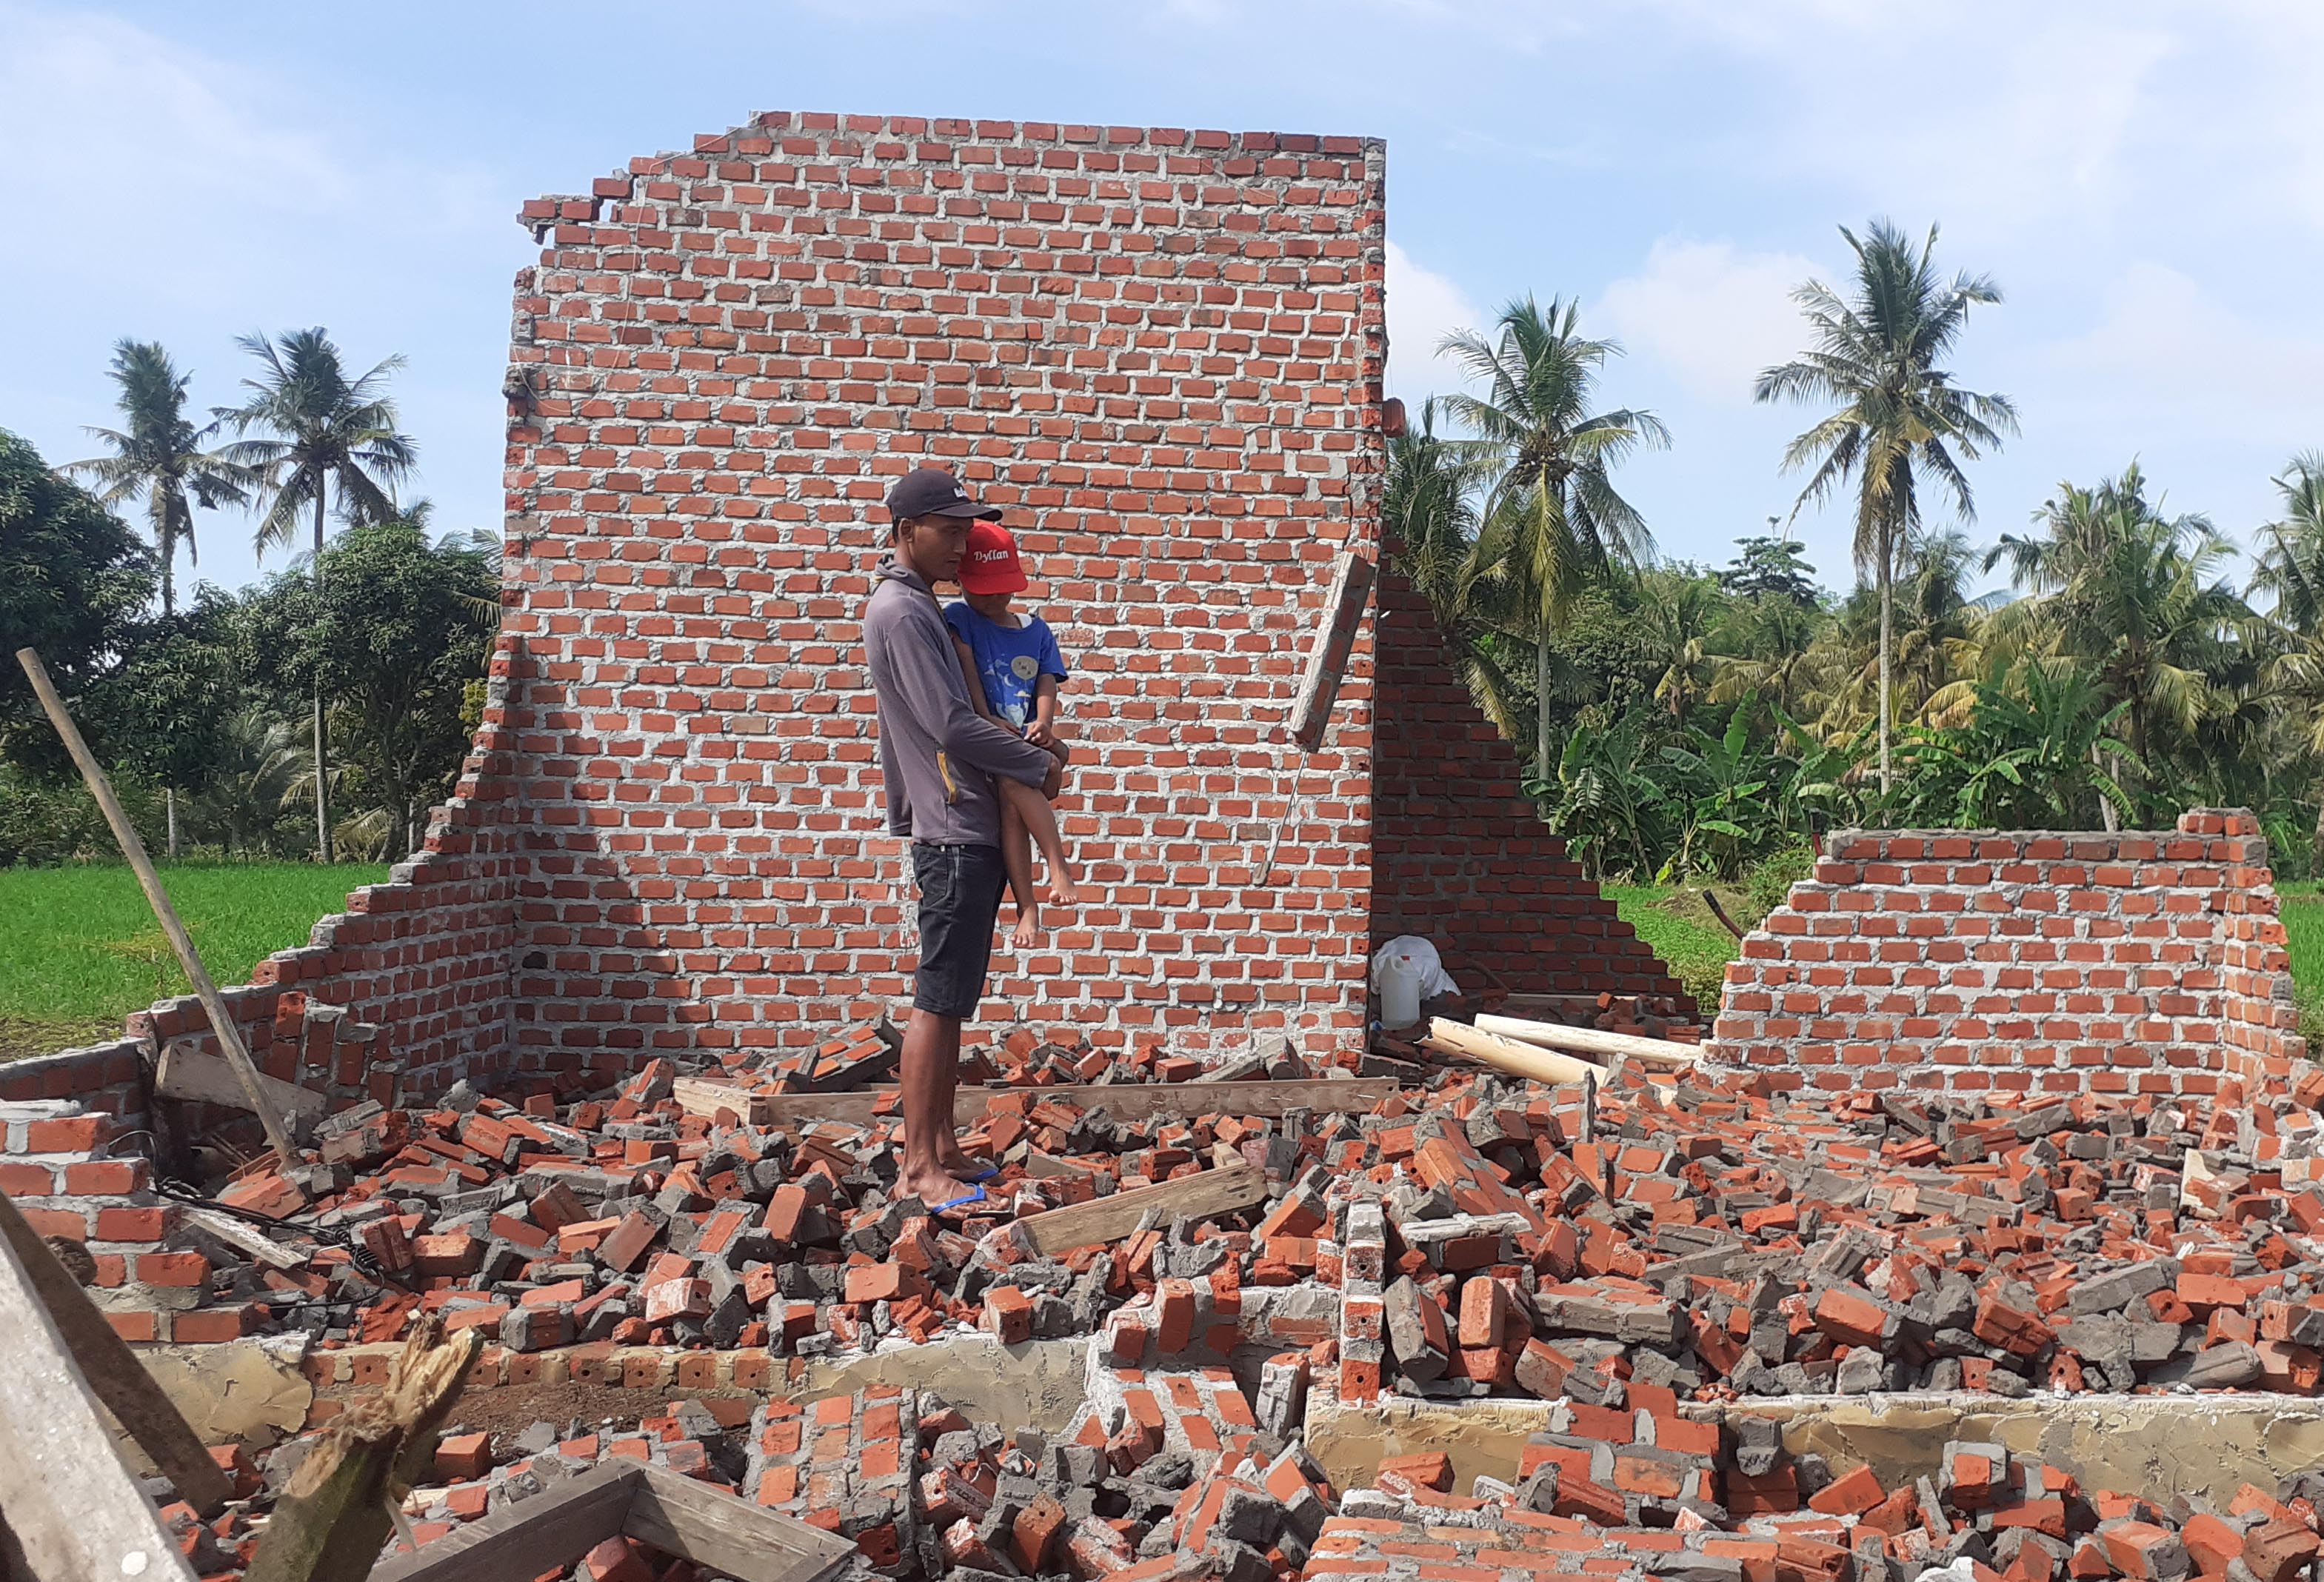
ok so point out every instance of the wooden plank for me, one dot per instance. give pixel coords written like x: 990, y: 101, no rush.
x: 132, y: 848
x: 707, y: 1095
x: 1125, y: 1101
x: 113, y: 1373
x: 1059, y: 1231
x: 74, y: 1511
x: 1327, y: 655
x: 196, y: 1074
x: 517, y: 1543
x: 248, y: 1238
x: 729, y: 1535
x: 1591, y: 1040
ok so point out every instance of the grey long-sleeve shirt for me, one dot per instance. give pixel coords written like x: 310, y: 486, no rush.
x: 937, y: 755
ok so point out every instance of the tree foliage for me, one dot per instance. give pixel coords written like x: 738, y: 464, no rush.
x: 157, y: 455
x: 1706, y: 722
x: 1900, y: 426
x: 74, y: 585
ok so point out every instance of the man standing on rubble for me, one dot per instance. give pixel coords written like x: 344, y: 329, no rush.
x: 937, y: 758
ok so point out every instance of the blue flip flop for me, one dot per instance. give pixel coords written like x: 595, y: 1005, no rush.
x: 963, y: 1201
x: 986, y: 1174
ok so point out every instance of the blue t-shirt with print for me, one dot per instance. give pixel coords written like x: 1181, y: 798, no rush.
x: 1010, y: 660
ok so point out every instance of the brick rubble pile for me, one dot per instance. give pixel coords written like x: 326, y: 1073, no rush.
x: 1707, y: 1240
x: 1648, y: 1257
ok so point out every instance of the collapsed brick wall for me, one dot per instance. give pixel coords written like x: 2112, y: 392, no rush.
x: 1458, y: 854
x: 1160, y: 350
x: 76, y: 1147
x: 2139, y: 962
x: 408, y: 989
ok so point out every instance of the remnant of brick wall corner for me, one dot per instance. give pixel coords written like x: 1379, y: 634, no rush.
x: 1458, y: 854
x: 2133, y: 963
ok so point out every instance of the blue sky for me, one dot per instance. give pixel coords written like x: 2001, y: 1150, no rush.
x: 2145, y: 181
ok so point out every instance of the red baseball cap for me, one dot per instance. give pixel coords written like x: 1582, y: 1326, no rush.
x: 990, y: 565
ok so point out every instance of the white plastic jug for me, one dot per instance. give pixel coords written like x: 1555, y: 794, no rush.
x: 1399, y: 990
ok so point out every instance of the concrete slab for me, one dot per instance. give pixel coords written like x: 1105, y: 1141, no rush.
x: 251, y: 1392
x: 2156, y: 1445
x: 1035, y: 1383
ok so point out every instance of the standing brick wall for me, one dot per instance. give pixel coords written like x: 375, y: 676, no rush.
x: 2140, y: 962
x: 1459, y: 855
x: 1160, y: 350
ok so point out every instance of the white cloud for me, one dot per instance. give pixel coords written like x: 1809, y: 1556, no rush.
x: 2165, y: 344
x: 96, y: 106
x: 168, y: 169
x: 1422, y: 308
x: 1709, y: 313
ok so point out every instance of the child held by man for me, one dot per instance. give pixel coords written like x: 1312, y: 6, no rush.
x: 1014, y: 670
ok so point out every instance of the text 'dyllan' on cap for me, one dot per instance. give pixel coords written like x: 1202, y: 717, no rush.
x: 931, y: 491
x: 990, y: 565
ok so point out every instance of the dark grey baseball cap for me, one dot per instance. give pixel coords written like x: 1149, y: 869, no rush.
x: 931, y: 491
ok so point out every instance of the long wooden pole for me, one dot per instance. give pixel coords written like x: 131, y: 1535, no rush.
x: 229, y: 1037
x: 1591, y: 1040
x: 1519, y: 1060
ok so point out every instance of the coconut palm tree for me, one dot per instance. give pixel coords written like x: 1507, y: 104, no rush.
x: 1679, y: 612
x: 1552, y: 519
x: 317, y: 429
x: 2133, y: 596
x: 158, y: 454
x: 1934, y: 643
x: 1901, y: 420
x: 1428, y: 506
x: 2291, y: 562
x: 2290, y: 571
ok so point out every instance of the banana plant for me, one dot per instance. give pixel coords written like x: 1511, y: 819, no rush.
x: 1725, y: 797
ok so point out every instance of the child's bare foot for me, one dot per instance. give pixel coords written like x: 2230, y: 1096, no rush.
x: 1027, y: 931
x: 1060, y: 891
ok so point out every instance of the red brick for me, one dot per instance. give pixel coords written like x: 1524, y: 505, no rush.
x: 204, y: 1326
x: 73, y: 1135
x: 172, y: 1269
x: 1850, y: 1494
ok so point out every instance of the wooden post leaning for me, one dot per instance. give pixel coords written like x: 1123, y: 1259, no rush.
x: 132, y: 848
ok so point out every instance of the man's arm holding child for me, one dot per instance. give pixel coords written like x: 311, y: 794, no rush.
x: 927, y: 673
x: 969, y: 678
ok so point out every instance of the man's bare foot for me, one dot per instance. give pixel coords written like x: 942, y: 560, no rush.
x: 1027, y: 931
x: 959, y: 1162
x: 936, y: 1189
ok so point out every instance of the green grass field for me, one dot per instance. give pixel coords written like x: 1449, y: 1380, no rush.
x: 2303, y: 937
x: 80, y: 949
x: 1681, y: 930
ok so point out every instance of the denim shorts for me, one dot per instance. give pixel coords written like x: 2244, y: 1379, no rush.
x: 960, y: 901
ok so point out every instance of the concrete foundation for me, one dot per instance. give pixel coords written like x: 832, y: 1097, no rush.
x: 2160, y: 1445
x: 2208, y: 1445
